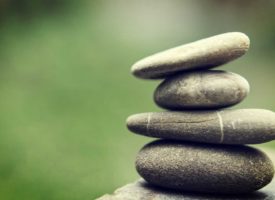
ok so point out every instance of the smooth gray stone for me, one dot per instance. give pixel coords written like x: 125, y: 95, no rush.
x: 204, y: 168
x: 202, y: 54
x: 140, y: 190
x: 201, y: 90
x: 242, y: 126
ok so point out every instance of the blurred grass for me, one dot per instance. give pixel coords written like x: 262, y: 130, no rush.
x: 66, y: 91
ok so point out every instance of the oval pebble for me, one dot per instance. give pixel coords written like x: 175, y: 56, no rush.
x: 241, y: 126
x: 202, y: 54
x: 203, y: 168
x: 201, y: 90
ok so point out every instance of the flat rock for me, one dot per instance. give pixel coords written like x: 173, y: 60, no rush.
x: 140, y: 190
x: 241, y: 126
x: 204, y: 168
x: 202, y: 54
x: 206, y: 89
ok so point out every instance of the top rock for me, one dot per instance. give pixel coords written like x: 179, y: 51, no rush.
x: 202, y: 54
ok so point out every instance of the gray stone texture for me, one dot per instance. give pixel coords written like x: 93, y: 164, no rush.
x: 202, y: 54
x: 141, y: 190
x: 206, y: 89
x: 204, y: 168
x: 241, y: 126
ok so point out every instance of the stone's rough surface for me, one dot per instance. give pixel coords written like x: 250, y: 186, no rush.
x: 202, y: 54
x: 243, y: 126
x: 201, y: 89
x: 141, y: 190
x: 204, y: 168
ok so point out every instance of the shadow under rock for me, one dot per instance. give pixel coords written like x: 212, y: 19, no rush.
x: 162, y: 193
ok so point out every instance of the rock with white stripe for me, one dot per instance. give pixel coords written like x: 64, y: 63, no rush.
x: 202, y: 54
x: 242, y: 126
x: 204, y: 168
x: 207, y: 89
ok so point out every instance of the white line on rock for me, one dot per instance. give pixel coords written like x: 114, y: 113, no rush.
x: 221, y: 126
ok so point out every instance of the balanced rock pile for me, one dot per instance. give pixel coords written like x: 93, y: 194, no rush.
x: 202, y: 149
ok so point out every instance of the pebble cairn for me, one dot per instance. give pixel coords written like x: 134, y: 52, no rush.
x: 202, y: 147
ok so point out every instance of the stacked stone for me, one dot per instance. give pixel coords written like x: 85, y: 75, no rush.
x: 202, y: 147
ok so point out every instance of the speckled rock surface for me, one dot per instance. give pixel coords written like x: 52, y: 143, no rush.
x: 201, y: 90
x: 204, y: 168
x: 141, y: 190
x: 202, y: 54
x: 242, y: 126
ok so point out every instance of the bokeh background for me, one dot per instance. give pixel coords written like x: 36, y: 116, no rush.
x: 66, y: 88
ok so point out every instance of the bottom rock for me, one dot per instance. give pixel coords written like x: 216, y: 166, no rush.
x: 141, y: 190
x: 204, y: 168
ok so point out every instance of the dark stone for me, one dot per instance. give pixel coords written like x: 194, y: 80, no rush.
x: 204, y: 168
x: 243, y: 126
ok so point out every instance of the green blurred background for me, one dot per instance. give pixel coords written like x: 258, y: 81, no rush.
x: 66, y: 87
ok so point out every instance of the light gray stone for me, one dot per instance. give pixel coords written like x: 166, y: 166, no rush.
x: 201, y: 90
x: 205, y: 53
x: 241, y: 126
x: 141, y: 190
x: 204, y: 168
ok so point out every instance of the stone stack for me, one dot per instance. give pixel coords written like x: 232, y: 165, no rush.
x: 202, y: 147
